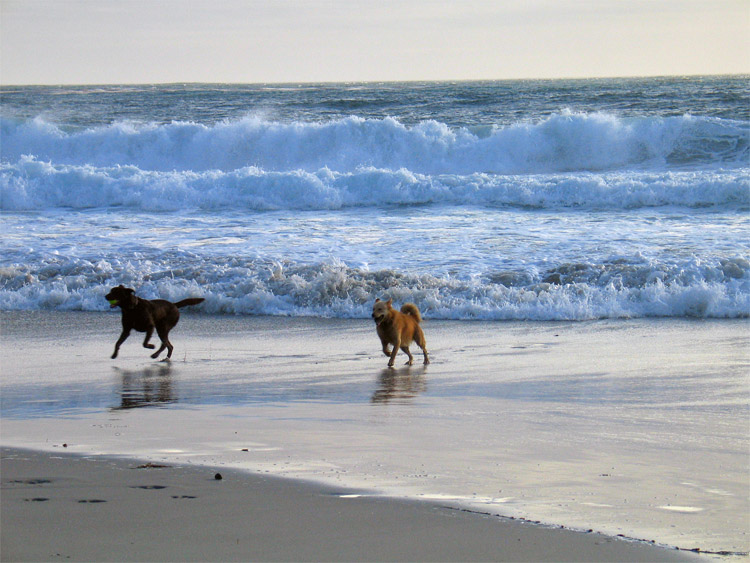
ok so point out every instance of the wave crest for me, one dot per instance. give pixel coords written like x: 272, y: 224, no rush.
x: 560, y: 143
x: 30, y: 184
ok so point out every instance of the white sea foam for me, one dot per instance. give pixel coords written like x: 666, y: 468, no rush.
x: 261, y: 287
x: 30, y: 184
x: 560, y: 143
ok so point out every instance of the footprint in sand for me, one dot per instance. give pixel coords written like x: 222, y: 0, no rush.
x: 37, y: 499
x: 149, y: 487
x: 183, y: 496
x: 92, y: 501
x: 32, y: 481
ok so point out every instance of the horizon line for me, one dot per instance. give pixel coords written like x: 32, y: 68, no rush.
x: 389, y: 81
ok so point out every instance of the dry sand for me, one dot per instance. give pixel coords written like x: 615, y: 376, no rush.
x: 72, y: 508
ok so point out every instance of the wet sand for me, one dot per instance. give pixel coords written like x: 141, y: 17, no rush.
x: 72, y: 508
x: 626, y: 428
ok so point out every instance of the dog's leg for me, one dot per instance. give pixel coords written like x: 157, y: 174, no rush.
x: 422, y: 343
x: 410, y: 361
x: 149, y: 332
x: 123, y: 336
x: 384, y: 344
x: 165, y: 343
x: 426, y: 358
x: 396, y: 346
x: 159, y: 351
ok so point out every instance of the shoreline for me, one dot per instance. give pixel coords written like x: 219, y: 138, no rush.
x: 77, y: 507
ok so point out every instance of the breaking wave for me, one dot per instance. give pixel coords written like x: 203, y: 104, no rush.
x: 30, y: 184
x: 618, y: 289
x: 566, y: 160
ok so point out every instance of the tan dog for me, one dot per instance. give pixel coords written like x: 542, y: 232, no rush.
x: 399, y: 329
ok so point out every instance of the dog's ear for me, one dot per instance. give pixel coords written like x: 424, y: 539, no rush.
x: 390, y: 302
x: 377, y: 300
x: 130, y: 299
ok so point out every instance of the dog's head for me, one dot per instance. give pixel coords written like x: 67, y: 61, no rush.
x: 381, y: 310
x: 121, y: 296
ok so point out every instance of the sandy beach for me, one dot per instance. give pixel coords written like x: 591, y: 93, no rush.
x: 521, y: 441
x: 66, y: 507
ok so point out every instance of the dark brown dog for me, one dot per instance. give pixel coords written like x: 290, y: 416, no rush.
x: 146, y: 315
x: 399, y: 329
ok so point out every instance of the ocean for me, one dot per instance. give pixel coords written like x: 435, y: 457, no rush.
x: 533, y: 200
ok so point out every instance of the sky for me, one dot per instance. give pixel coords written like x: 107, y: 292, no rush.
x: 254, y: 41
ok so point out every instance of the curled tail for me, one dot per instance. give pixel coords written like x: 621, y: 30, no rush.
x: 411, y: 309
x: 188, y: 302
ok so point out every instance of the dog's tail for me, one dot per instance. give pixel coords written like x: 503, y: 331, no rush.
x: 411, y: 309
x: 188, y: 302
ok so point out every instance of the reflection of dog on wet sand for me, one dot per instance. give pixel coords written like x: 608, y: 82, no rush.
x: 146, y: 315
x: 399, y: 329
x: 400, y: 385
x: 147, y: 387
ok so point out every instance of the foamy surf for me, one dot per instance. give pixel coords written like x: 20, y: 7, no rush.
x: 495, y: 201
x: 581, y: 291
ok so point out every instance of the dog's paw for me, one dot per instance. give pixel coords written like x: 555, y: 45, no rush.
x: 149, y: 346
x: 114, y: 355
